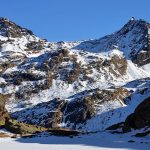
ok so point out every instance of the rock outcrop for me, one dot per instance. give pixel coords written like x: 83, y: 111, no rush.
x: 3, y: 112
x: 78, y: 111
x: 140, y: 118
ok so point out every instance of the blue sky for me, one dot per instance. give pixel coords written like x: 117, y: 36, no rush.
x: 72, y: 20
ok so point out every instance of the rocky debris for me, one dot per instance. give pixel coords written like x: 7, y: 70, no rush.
x: 56, y: 58
x: 13, y: 125
x: 4, y: 66
x: 140, y: 118
x: 35, y: 46
x: 74, y: 73
x: 26, y: 130
x: 117, y: 65
x: 25, y: 92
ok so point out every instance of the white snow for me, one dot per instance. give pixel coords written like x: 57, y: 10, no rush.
x: 2, y: 80
x: 97, y: 141
x: 135, y: 72
x: 147, y: 68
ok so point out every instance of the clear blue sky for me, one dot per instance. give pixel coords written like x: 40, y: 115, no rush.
x: 71, y: 20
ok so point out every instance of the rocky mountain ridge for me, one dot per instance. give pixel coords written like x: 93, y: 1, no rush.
x: 86, y: 85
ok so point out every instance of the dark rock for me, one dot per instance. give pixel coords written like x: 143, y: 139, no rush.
x: 77, y: 111
x: 140, y: 118
x: 64, y: 132
x: 129, y: 124
x: 80, y: 111
x: 115, y: 126
x: 51, y: 117
x: 10, y: 29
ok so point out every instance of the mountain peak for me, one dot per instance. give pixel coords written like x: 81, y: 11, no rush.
x: 132, y: 19
x: 3, y: 19
x: 138, y: 22
x: 10, y: 29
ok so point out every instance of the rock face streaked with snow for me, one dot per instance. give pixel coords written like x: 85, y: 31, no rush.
x: 87, y: 85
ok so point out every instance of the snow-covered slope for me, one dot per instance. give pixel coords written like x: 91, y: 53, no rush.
x: 33, y: 71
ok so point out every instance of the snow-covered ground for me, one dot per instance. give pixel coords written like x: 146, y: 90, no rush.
x: 97, y: 141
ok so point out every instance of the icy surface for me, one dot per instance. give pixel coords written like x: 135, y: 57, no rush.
x: 97, y: 141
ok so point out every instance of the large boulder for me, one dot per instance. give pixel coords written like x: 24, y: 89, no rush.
x: 140, y: 118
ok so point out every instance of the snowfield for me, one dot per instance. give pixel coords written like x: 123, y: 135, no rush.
x: 98, y: 141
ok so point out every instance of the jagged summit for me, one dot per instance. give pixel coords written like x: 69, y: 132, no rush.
x: 10, y: 29
x: 132, y: 18
x: 133, y: 23
x: 132, y: 39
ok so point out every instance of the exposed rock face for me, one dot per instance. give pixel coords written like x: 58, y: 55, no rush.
x: 79, y: 111
x: 117, y: 65
x: 21, y: 128
x: 10, y: 29
x: 133, y: 39
x: 3, y: 112
x: 143, y: 56
x: 71, y: 113
x: 48, y: 114
x: 140, y: 118
x: 84, y: 107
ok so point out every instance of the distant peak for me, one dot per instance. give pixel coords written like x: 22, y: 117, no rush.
x: 11, y: 29
x: 2, y: 18
x: 134, y: 23
x: 132, y: 19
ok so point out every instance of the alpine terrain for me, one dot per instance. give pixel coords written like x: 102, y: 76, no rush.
x: 75, y: 87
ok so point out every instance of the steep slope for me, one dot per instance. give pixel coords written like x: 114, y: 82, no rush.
x: 74, y: 84
x: 133, y: 40
x: 93, y: 110
x: 137, y: 123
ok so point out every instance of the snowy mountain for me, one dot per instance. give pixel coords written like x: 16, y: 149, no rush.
x: 84, y: 85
